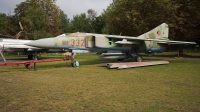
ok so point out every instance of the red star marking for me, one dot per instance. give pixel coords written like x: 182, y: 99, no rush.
x: 158, y: 32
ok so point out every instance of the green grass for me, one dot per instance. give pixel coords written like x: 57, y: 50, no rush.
x: 58, y: 87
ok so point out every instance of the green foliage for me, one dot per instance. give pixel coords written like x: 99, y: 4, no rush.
x: 64, y: 26
x: 42, y: 18
x: 80, y: 23
x: 90, y: 23
x: 13, y: 25
x: 106, y: 15
x: 3, y: 23
x: 37, y: 24
x: 188, y: 17
x: 99, y: 24
x: 38, y: 34
x: 39, y: 16
x: 135, y: 17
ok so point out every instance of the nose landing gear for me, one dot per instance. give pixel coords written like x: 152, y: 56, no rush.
x: 74, y: 63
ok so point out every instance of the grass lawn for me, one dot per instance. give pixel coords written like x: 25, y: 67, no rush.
x: 56, y: 86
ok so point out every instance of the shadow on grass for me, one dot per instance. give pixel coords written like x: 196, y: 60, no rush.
x: 90, y: 59
x: 4, y: 71
x: 83, y: 61
x: 173, y: 56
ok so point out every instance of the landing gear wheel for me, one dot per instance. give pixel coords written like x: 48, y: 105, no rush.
x: 35, y: 57
x: 28, y: 66
x: 139, y: 58
x: 30, y: 57
x: 120, y: 60
x: 75, y: 64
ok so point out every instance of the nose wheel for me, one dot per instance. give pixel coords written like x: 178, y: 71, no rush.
x: 73, y: 62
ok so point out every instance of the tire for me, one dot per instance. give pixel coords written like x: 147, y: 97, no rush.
x: 28, y: 66
x: 139, y: 58
x: 75, y: 64
x: 120, y: 60
x: 30, y: 57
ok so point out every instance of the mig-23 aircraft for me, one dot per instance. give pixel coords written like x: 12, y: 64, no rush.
x: 111, y: 46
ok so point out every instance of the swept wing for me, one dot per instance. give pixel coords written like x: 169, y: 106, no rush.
x: 161, y: 41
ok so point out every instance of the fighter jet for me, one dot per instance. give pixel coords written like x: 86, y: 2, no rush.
x: 111, y: 46
x: 17, y: 45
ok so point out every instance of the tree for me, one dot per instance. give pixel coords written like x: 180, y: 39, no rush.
x: 92, y: 17
x: 92, y: 14
x: 41, y: 18
x: 3, y: 23
x: 13, y: 25
x: 64, y: 26
x: 80, y: 23
x: 187, y: 20
x: 135, y: 17
x: 37, y: 25
x: 99, y: 24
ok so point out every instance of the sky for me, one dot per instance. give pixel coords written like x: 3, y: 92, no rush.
x: 70, y: 7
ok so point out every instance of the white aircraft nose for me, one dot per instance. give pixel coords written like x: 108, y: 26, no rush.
x: 43, y: 43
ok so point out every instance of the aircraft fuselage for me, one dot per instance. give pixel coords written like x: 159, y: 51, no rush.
x: 99, y: 43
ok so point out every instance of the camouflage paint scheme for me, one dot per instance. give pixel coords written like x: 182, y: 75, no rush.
x: 105, y: 44
x: 112, y: 46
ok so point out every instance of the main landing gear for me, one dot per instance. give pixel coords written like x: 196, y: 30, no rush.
x: 138, y: 58
x: 134, y: 54
x: 120, y: 60
x: 32, y: 57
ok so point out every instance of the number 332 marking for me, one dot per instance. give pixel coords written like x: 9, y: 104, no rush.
x: 78, y: 42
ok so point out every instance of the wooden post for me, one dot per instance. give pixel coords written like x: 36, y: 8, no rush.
x: 35, y: 67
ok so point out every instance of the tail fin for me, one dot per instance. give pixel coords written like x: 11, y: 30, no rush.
x: 160, y: 32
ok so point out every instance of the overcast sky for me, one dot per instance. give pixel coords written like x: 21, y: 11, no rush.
x: 70, y: 7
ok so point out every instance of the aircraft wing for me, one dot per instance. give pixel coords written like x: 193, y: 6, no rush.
x: 130, y: 38
x: 161, y: 41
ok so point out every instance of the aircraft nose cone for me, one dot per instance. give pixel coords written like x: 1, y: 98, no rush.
x: 43, y: 43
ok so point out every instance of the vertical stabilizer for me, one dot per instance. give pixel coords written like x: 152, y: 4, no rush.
x: 160, y: 32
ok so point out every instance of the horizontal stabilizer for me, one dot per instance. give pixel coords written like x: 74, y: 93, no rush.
x: 134, y: 64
